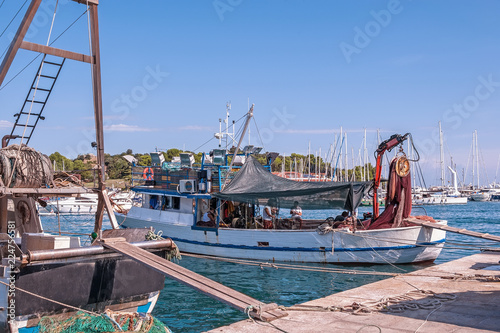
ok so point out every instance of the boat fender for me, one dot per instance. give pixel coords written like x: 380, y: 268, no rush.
x: 148, y: 173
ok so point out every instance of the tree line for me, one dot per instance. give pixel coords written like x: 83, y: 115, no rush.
x: 118, y: 167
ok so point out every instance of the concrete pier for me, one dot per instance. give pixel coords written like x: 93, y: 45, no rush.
x: 461, y: 296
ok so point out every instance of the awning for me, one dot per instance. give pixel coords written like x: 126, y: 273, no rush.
x: 254, y: 184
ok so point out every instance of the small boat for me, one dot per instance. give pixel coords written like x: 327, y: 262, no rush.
x: 85, y: 204
x: 179, y: 201
x: 483, y: 195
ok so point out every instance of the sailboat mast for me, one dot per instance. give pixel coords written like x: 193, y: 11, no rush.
x: 473, y: 157
x: 309, y: 160
x: 477, y: 161
x: 365, y: 159
x: 441, y: 155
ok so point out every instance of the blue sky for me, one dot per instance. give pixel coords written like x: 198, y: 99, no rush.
x: 310, y: 67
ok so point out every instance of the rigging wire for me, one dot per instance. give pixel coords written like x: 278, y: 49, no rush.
x: 262, y: 142
x: 32, y: 98
x: 227, y: 128
x: 8, y: 25
x: 37, y: 56
x: 1, y: 4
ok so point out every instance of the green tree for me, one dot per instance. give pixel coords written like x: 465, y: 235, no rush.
x: 62, y: 163
x: 144, y: 160
x: 83, y: 169
x: 117, y: 167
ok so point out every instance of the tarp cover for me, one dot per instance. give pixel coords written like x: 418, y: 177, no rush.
x: 254, y: 184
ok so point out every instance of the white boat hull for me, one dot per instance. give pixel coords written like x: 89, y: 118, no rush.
x: 480, y: 197
x: 396, y: 245
x: 444, y: 200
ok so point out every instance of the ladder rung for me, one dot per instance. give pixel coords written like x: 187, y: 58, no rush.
x: 30, y: 101
x: 21, y: 125
x: 51, y: 63
x: 41, y: 89
x: 48, y: 77
x: 31, y: 114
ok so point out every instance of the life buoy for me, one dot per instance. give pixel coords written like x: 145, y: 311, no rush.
x: 148, y: 174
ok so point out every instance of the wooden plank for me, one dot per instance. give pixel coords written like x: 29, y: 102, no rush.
x: 109, y: 209
x: 90, y: 2
x: 455, y: 230
x: 56, y: 52
x: 18, y: 38
x: 208, y: 287
x: 45, y: 191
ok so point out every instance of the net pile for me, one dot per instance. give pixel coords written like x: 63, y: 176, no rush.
x: 83, y: 322
x: 32, y: 169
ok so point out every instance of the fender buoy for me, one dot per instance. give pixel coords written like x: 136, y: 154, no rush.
x: 148, y: 174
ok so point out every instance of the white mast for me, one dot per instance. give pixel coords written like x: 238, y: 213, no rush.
x: 441, y: 151
x: 346, y: 159
x: 341, y: 159
x: 352, y: 158
x: 365, y: 159
x: 477, y: 161
x: 309, y: 160
x: 319, y: 164
x: 283, y: 166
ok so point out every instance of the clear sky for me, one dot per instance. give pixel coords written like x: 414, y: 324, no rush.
x: 310, y: 67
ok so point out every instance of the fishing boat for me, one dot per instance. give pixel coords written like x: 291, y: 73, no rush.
x: 54, y: 276
x: 179, y: 200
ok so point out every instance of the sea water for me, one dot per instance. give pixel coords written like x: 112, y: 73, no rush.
x: 183, y: 309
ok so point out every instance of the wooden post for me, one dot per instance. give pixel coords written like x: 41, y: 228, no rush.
x: 18, y: 38
x: 3, y: 214
x: 97, y: 89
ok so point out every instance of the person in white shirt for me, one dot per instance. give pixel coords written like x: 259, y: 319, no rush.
x: 209, y: 216
x: 296, y: 213
x: 269, y: 214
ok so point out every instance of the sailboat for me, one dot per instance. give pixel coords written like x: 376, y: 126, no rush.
x: 447, y: 196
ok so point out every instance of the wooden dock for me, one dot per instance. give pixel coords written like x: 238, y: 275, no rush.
x: 240, y: 301
x: 459, y: 296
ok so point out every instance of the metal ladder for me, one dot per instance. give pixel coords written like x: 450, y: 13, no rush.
x: 46, y: 83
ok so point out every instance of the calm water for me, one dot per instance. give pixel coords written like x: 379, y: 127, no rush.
x: 185, y: 310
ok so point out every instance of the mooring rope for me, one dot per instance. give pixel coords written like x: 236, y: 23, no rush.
x: 51, y: 300
x: 262, y: 265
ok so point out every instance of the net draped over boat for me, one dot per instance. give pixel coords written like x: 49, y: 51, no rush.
x: 253, y: 184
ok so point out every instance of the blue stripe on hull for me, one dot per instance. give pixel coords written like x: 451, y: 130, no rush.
x: 303, y: 249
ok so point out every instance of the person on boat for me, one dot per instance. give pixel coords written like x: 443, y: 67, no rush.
x: 209, y: 217
x: 342, y: 217
x: 269, y: 214
x: 296, y: 213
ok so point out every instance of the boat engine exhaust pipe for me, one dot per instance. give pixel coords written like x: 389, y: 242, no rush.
x: 8, y: 137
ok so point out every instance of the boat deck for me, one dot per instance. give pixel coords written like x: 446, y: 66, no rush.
x: 466, y: 299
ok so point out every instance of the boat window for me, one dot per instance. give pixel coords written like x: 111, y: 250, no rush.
x: 176, y: 203
x: 166, y: 202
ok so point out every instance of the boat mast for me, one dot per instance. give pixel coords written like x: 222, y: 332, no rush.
x: 477, y: 161
x: 441, y: 155
x: 247, y: 123
x: 18, y: 42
